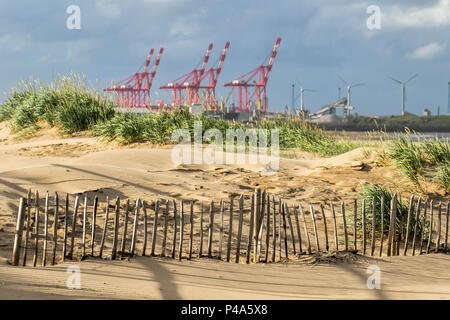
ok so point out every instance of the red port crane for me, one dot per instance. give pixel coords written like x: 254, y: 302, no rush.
x: 134, y: 92
x: 245, y: 82
x: 189, y: 83
x: 213, y: 75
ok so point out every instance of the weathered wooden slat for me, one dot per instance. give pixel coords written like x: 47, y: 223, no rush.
x: 416, y: 223
x: 221, y: 228
x: 262, y: 210
x: 135, y: 226
x: 250, y: 231
x: 66, y: 223
x: 94, y: 225
x: 408, y: 222
x: 399, y: 235
x: 36, y: 228
x: 382, y: 224
x: 274, y: 230
x: 18, y: 233
x: 105, y: 228
x: 191, y: 229
x: 327, y: 247
x: 144, y: 213
x: 239, y: 235
x: 430, y: 235
x: 230, y: 230
x: 256, y: 224
x: 174, y: 238
x: 211, y: 229
x: 424, y: 219
x: 166, y: 224
x: 392, y: 222
x: 438, y: 236
x: 344, y: 226
x: 364, y: 226
x: 446, y: 225
x: 336, y: 240
x: 316, y: 235
x: 374, y: 224
x: 355, y: 224
x: 55, y: 228
x: 44, y: 253
x: 266, y: 258
x: 297, y: 224
x: 27, y: 226
x: 200, y: 250
x: 83, y: 252
x: 306, y: 228
x: 180, y: 249
x: 291, y: 229
x: 125, y: 229
x: 155, y: 228
x: 279, y: 228
x: 116, y: 229
x: 74, y: 225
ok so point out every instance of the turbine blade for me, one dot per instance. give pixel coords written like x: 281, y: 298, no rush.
x: 411, y: 78
x: 398, y: 81
x: 358, y: 85
x: 343, y: 80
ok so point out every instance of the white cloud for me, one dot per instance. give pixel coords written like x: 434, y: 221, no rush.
x: 428, y: 51
x: 108, y: 8
x: 14, y: 42
x: 437, y: 15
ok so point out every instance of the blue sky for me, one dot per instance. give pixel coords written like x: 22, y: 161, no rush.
x: 321, y: 39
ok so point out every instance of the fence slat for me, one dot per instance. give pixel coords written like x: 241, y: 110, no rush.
x: 250, y: 232
x: 230, y: 230
x: 239, y: 235
x: 27, y: 230
x: 125, y: 227
x: 66, y: 223
x: 36, y: 228
x: 166, y: 224
x: 374, y: 224
x: 392, y: 222
x: 364, y: 226
x: 438, y: 236
x: 262, y: 209
x: 105, y: 227
x: 416, y: 222
x: 144, y: 213
x: 211, y: 229
x: 327, y: 247
x: 291, y: 228
x: 344, y: 225
x: 297, y: 225
x: 180, y: 249
x: 336, y: 240
x: 18, y: 233
x: 174, y: 238
x: 200, y: 250
x: 155, y: 229
x: 116, y: 229
x: 408, y: 222
x: 44, y: 253
x: 221, y: 228
x: 382, y: 225
x: 94, y: 226
x: 55, y: 228
x: 314, y: 227
x: 84, y: 226
x: 256, y: 224
x: 355, y: 220
x: 74, y: 225
x: 306, y: 228
x: 191, y: 229
x: 279, y: 229
x: 422, y: 235
x: 135, y: 226
x: 446, y: 225
x: 431, y: 226
x: 266, y: 258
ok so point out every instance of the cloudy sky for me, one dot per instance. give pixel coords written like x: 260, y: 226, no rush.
x: 321, y: 39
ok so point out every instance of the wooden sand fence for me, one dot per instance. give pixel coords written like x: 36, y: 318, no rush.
x: 245, y: 229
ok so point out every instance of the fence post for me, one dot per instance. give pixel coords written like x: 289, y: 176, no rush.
x: 155, y: 228
x: 144, y: 213
x: 408, y: 222
x: 256, y: 223
x: 416, y: 220
x: 336, y: 241
x: 94, y: 221
x: 374, y: 224
x: 135, y: 226
x: 66, y: 224
x: 314, y: 227
x: 211, y: 229
x: 355, y: 219
x: 105, y: 228
x: 438, y: 237
x: 230, y: 230
x: 180, y: 248
x: 27, y: 232
x: 279, y: 228
x: 36, y: 229
x: 422, y: 234
x: 174, y: 239
x: 125, y: 227
x: 291, y: 229
x: 84, y: 226
x: 364, y: 226
x: 327, y: 247
x: 18, y: 233
x: 344, y: 221
x: 382, y: 224
x: 44, y: 254
x: 306, y: 228
x: 392, y: 224
x: 116, y: 229
x: 262, y: 208
x: 266, y: 258
x: 74, y: 225
x: 250, y: 232
x: 239, y: 235
x: 191, y: 229
x: 221, y: 228
x: 431, y: 226
x: 446, y: 225
x: 200, y: 250
x: 297, y: 224
x: 166, y: 224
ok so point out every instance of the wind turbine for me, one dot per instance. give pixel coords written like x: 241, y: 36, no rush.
x: 302, y: 93
x: 349, y: 88
x: 403, y: 85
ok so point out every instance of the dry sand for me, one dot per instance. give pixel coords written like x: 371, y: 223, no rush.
x: 82, y: 164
